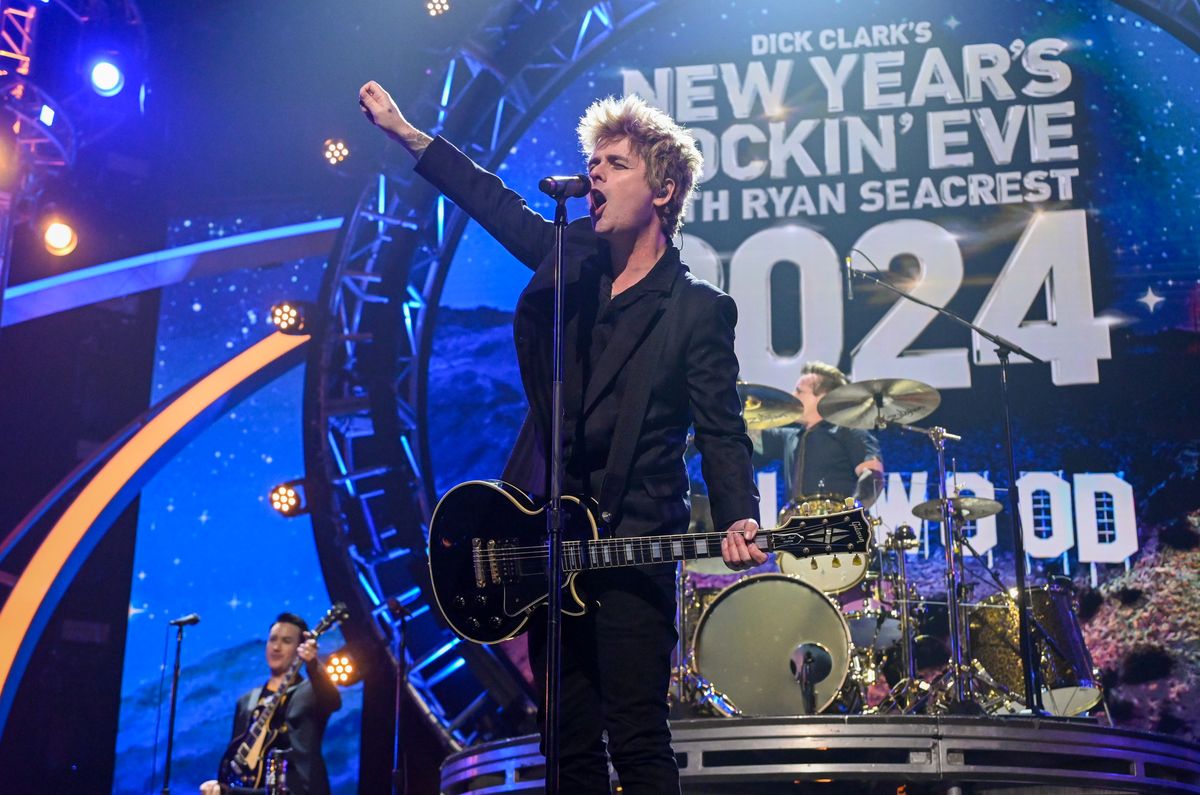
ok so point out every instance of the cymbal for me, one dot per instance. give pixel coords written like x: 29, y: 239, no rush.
x: 966, y: 508
x: 768, y: 407
x: 872, y: 404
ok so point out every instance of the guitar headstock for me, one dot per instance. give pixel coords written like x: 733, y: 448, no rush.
x: 844, y: 531
x: 336, y: 614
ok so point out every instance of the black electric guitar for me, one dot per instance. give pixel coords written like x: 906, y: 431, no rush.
x: 488, y: 553
x: 242, y: 765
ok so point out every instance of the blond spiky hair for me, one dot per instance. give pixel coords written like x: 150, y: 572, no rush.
x: 668, y: 150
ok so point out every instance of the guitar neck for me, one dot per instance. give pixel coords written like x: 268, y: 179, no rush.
x: 635, y: 551
x: 845, y: 532
x: 249, y: 747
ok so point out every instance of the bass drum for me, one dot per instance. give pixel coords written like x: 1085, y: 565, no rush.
x: 751, y: 641
x: 827, y: 573
x: 1068, y: 682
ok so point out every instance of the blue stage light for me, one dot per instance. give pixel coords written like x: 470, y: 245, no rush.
x: 107, y: 78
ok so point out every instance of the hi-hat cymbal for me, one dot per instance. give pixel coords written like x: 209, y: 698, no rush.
x: 874, y: 403
x: 965, y: 508
x: 768, y: 407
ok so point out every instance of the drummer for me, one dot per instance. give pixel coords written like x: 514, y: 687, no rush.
x: 818, y: 456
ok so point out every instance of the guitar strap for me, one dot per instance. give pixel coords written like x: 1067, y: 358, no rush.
x: 632, y: 412
x: 255, y: 695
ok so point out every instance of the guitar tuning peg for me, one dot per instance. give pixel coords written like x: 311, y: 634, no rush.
x: 856, y: 560
x: 813, y: 561
x: 837, y: 563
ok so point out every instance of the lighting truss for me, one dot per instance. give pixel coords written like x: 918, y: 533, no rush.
x: 365, y: 403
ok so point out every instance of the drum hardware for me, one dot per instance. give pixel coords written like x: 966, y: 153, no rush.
x: 901, y: 541
x: 712, y: 700
x: 964, y: 702
x: 689, y: 687
x: 896, y: 403
x: 1004, y: 349
x: 810, y: 663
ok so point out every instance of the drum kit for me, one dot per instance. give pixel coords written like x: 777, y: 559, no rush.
x: 841, y: 634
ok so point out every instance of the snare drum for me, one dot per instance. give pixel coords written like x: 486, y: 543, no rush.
x: 753, y: 636
x: 827, y: 573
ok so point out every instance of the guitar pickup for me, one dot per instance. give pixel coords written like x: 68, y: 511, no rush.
x: 477, y: 563
x: 507, y: 565
x: 495, y: 563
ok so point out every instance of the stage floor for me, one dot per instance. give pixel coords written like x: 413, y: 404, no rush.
x: 877, y: 754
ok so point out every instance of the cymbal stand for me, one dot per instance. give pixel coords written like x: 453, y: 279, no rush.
x: 1004, y: 349
x: 904, y: 694
x: 963, y: 702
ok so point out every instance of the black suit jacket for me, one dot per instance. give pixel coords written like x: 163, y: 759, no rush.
x: 676, y: 342
x: 305, y: 715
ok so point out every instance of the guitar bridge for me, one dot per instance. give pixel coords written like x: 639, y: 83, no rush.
x: 477, y: 562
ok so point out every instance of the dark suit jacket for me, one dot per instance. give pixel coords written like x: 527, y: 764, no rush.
x: 685, y: 325
x: 305, y: 714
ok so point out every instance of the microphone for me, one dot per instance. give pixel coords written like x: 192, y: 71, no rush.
x: 185, y: 621
x: 566, y: 187
x: 397, y: 608
x: 849, y: 281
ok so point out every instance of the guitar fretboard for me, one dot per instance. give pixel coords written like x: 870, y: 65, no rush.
x: 613, y: 552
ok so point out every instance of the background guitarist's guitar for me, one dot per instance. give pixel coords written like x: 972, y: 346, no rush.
x: 242, y: 763
x: 488, y: 553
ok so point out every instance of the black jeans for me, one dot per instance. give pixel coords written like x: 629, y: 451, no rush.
x: 616, y: 671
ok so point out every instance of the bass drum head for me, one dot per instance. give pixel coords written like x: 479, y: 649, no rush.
x: 752, y: 636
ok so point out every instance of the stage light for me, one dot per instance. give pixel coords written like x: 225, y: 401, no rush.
x: 291, y: 317
x: 107, y: 78
x: 46, y: 116
x: 437, y: 7
x: 336, y: 151
x: 288, y: 498
x: 59, y: 237
x: 341, y: 668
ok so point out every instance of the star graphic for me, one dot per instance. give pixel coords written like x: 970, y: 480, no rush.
x: 204, y: 517
x: 1151, y: 299
x: 234, y: 602
x: 133, y: 611
x: 952, y: 23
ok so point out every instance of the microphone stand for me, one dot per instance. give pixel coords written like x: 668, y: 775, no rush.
x: 1030, y: 669
x: 166, y: 788
x: 399, y: 758
x: 554, y: 514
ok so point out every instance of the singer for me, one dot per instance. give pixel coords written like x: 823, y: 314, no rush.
x: 298, y: 725
x: 648, y: 352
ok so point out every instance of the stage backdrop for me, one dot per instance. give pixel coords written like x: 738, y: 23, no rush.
x: 209, y: 542
x: 1030, y: 166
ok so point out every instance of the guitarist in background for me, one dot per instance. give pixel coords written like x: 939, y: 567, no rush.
x: 301, y: 719
x: 648, y: 352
